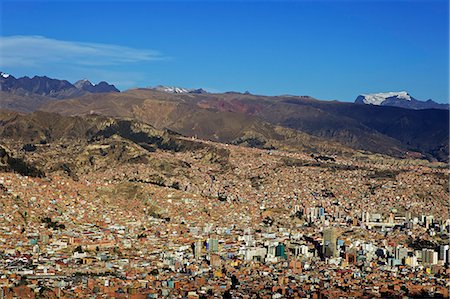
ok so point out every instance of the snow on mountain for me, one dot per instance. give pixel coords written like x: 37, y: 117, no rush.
x: 400, y: 99
x: 4, y: 75
x: 379, y: 98
x: 175, y: 89
x: 171, y: 89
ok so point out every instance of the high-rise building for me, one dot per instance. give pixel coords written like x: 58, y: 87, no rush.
x: 429, y: 256
x: 271, y: 251
x: 365, y: 217
x: 197, y: 246
x: 311, y: 214
x: 321, y: 211
x: 391, y: 218
x: 443, y: 253
x: 213, y: 245
x: 408, y: 216
x: 434, y: 259
x: 279, y: 251
x: 329, y: 248
x: 401, y: 253
x: 411, y: 261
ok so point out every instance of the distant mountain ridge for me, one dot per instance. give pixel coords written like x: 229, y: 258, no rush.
x: 295, y: 122
x: 175, y: 89
x: 49, y: 87
x: 234, y: 117
x: 102, y: 86
x: 400, y: 99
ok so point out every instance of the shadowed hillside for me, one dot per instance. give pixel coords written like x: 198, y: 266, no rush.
x: 230, y: 117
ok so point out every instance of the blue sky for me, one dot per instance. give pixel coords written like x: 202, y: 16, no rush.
x: 331, y: 50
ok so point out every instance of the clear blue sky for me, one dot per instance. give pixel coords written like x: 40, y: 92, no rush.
x: 326, y: 49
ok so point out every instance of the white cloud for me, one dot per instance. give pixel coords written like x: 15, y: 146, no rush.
x: 33, y: 51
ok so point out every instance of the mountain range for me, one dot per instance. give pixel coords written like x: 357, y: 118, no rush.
x: 54, y: 88
x: 400, y: 99
x: 175, y: 89
x: 296, y: 123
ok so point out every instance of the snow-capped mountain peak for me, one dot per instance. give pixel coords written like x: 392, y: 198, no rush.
x: 175, y: 89
x: 379, y: 98
x: 171, y: 89
x: 400, y: 99
x: 4, y: 75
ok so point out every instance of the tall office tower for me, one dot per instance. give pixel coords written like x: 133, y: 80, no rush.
x: 429, y: 256
x: 213, y: 245
x: 422, y: 218
x: 443, y: 253
x: 435, y: 258
x: 197, y: 249
x: 367, y: 218
x: 329, y: 248
x: 312, y: 216
x: 321, y: 212
x: 363, y: 219
x: 279, y: 250
x: 401, y: 253
x: 271, y: 251
x: 428, y: 221
x: 391, y: 218
x: 425, y: 258
x: 411, y: 261
x: 408, y: 216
